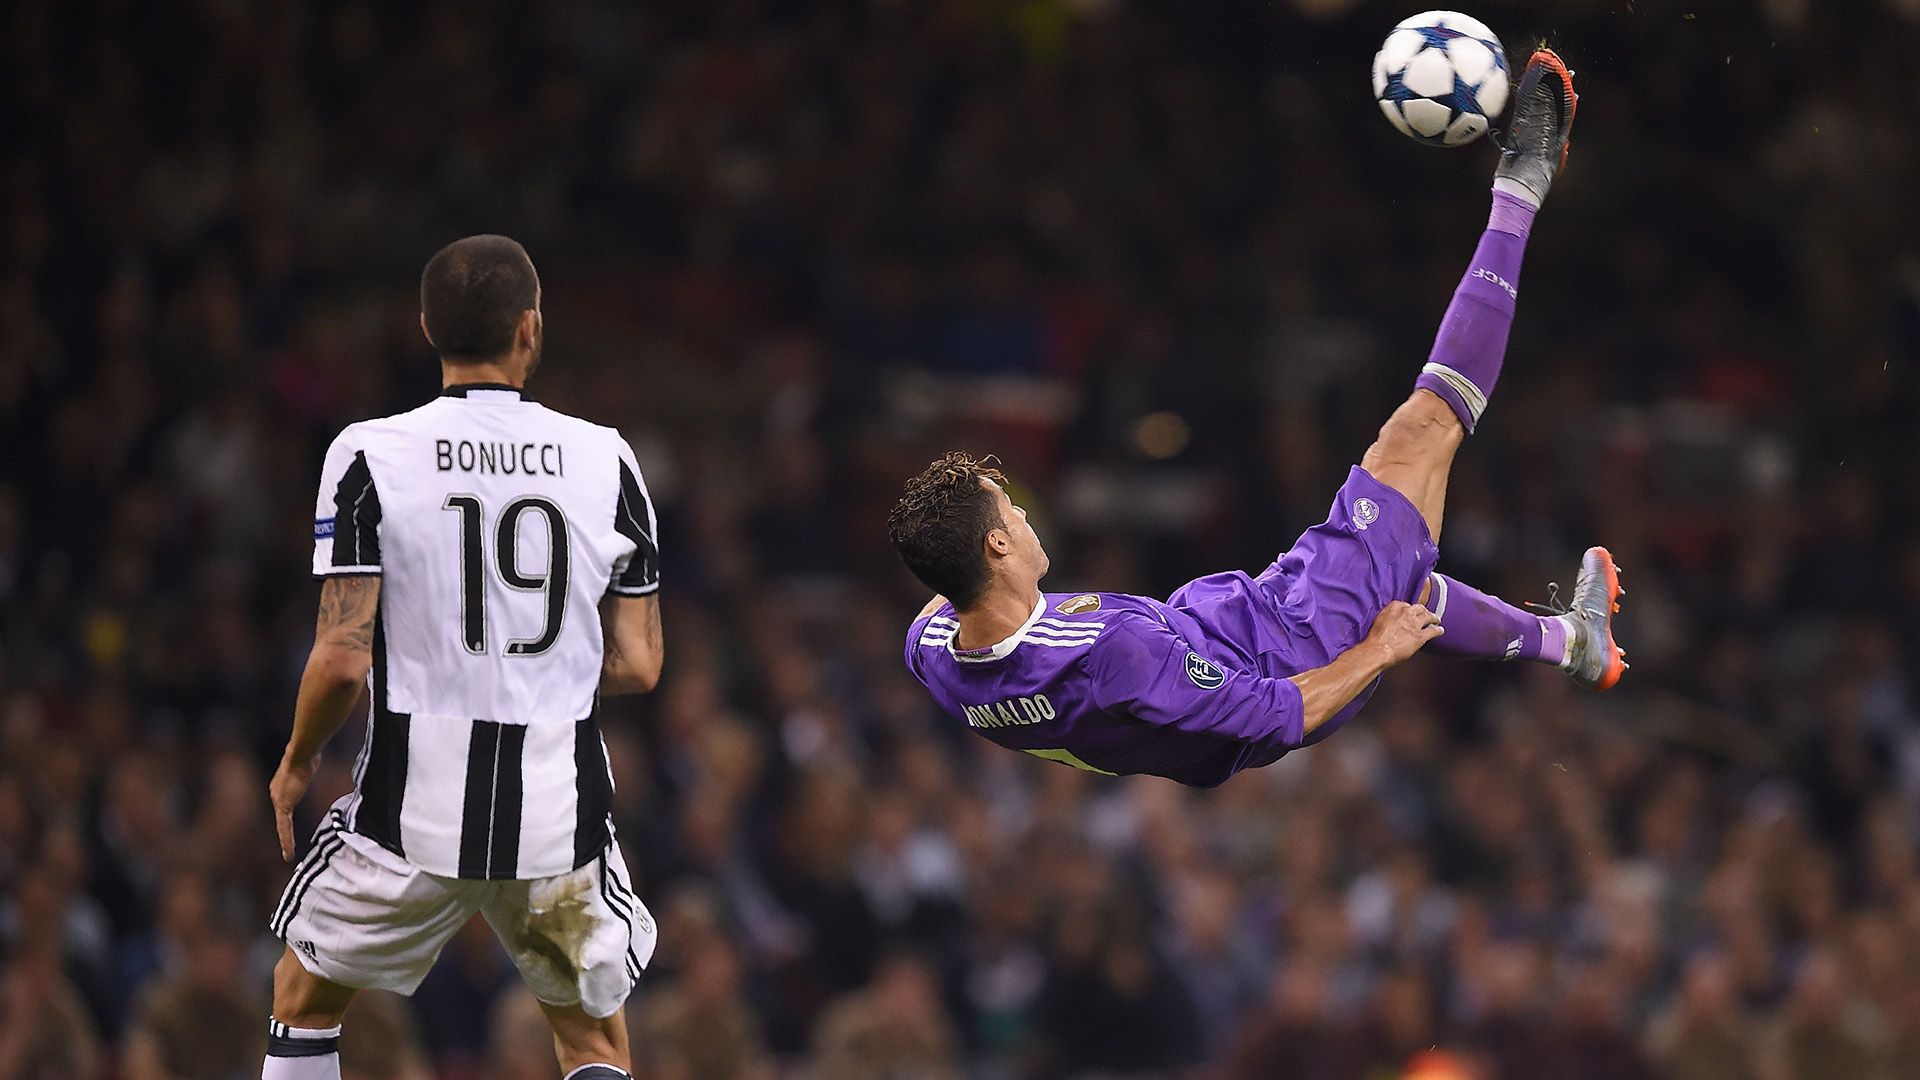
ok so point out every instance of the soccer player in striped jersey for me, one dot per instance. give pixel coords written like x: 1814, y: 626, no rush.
x: 489, y: 568
x: 1234, y: 670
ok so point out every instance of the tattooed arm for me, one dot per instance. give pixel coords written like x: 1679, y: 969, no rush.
x: 336, y: 670
x: 634, y: 647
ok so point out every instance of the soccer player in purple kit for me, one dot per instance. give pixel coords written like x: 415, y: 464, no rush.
x: 1233, y: 671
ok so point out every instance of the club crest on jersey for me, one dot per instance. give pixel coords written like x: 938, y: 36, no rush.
x: 1205, y: 673
x: 1078, y: 605
x: 1365, y: 513
x: 322, y: 528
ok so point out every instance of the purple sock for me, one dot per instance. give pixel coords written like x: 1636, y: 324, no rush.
x: 1480, y: 627
x: 1472, y: 342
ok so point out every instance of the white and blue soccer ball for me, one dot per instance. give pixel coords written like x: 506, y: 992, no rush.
x: 1441, y: 78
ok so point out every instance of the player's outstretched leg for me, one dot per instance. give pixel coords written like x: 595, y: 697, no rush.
x: 1415, y: 450
x: 1472, y: 342
x: 1578, y: 640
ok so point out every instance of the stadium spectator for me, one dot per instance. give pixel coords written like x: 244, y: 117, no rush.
x: 895, y: 1027
x: 1704, y: 1034
x: 45, y: 1030
x: 204, y: 1022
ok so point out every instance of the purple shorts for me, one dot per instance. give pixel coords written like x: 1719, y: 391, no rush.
x: 1321, y: 596
x: 1373, y: 549
x: 1319, y: 599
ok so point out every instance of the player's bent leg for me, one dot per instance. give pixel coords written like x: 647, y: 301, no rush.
x: 580, y: 940
x: 303, y: 1037
x: 354, y: 915
x: 303, y: 999
x: 1578, y: 640
x: 1483, y: 627
x: 590, y: 1047
x: 1414, y: 452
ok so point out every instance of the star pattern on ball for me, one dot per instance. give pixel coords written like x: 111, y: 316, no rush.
x: 1441, y: 78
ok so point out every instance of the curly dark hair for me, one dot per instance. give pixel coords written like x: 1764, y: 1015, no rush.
x: 941, y: 522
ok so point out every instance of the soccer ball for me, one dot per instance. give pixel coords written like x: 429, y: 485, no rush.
x: 1441, y: 78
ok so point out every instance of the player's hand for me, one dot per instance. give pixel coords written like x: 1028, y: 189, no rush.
x: 288, y: 787
x: 1401, y: 629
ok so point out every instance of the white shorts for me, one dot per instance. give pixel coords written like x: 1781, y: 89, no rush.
x: 359, y: 915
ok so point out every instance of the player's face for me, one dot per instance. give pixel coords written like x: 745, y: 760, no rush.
x: 1028, y: 559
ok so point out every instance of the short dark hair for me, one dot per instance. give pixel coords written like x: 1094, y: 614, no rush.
x: 941, y: 522
x: 473, y: 293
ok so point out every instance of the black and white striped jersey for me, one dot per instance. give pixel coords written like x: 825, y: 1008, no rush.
x: 496, y: 525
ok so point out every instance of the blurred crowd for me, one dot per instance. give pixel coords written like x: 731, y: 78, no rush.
x: 1166, y: 260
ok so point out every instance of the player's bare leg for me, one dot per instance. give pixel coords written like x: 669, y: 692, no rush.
x: 303, y: 1042
x: 590, y: 1047
x: 1413, y: 454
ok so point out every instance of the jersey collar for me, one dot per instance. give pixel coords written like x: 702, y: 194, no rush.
x: 1006, y: 645
x: 486, y: 391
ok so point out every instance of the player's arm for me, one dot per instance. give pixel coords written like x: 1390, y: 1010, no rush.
x: 335, y: 673
x: 1398, y: 632
x: 1147, y: 671
x: 1141, y: 668
x: 634, y: 645
x: 346, y: 555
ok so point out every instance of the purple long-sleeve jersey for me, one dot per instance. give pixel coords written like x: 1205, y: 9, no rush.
x: 1124, y: 685
x: 1195, y: 688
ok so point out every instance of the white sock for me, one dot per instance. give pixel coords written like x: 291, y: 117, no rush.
x: 1566, y: 658
x: 1518, y: 190
x: 301, y: 1053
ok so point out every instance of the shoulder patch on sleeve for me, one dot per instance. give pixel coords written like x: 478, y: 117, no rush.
x: 322, y: 528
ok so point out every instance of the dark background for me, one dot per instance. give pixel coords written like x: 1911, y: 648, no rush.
x: 1167, y: 260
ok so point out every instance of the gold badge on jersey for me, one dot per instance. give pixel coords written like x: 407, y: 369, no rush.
x: 1079, y: 605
